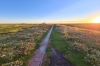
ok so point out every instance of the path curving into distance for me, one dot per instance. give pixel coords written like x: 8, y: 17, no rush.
x: 38, y: 58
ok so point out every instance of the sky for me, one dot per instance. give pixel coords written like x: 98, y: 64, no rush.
x: 36, y: 11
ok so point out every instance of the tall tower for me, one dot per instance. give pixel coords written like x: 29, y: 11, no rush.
x: 44, y: 22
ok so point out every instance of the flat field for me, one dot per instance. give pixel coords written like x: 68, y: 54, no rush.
x: 7, y: 28
x: 95, y: 26
x: 18, y: 42
x: 80, y: 43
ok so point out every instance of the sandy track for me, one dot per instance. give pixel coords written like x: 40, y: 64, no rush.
x: 38, y: 58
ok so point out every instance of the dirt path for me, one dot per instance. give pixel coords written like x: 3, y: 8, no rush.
x: 57, y: 59
x: 38, y: 58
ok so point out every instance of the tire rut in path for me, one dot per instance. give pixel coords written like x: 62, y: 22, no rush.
x: 38, y: 58
x: 57, y: 59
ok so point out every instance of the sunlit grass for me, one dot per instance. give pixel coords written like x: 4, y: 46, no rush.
x: 63, y: 46
x: 84, y: 41
x: 11, y: 28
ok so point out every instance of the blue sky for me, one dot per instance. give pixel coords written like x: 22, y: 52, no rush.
x: 23, y: 11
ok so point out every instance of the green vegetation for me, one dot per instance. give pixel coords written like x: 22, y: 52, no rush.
x: 37, y: 41
x: 85, y: 42
x: 11, y: 28
x: 62, y: 45
x: 17, y: 48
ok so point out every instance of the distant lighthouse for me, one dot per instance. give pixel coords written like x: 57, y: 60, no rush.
x: 44, y: 22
